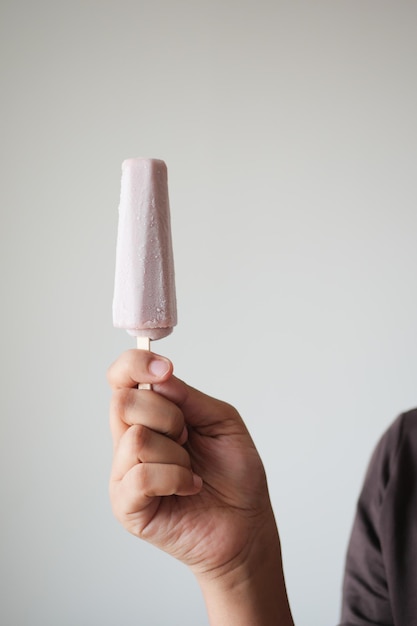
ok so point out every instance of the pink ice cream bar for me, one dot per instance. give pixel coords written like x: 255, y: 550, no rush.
x: 144, y: 300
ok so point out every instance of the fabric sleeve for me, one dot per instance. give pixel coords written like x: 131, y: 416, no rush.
x: 366, y: 598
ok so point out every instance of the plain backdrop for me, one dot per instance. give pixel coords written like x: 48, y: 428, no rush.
x: 289, y: 130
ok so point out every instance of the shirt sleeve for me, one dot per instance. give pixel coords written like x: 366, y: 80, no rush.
x: 366, y: 597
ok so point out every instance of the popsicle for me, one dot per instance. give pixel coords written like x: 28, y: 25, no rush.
x: 144, y: 301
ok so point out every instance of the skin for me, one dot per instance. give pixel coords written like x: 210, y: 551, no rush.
x: 187, y: 478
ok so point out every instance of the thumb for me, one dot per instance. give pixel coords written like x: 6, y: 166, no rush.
x: 199, y: 409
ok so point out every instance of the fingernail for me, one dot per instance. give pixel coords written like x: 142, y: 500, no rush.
x: 198, y: 481
x: 158, y: 367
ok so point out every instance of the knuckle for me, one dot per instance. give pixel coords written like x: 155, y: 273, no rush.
x: 142, y: 477
x: 122, y: 363
x: 120, y: 401
x: 139, y: 436
x: 134, y: 358
x: 119, y: 372
x: 175, y: 421
x: 229, y: 412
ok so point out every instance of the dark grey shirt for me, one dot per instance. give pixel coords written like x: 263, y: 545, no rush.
x: 380, y: 585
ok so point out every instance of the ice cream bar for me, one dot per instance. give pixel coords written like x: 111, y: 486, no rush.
x: 144, y: 300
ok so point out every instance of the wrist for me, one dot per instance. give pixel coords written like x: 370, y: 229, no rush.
x: 250, y: 590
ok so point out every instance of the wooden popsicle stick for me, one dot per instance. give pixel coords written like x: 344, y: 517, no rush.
x: 143, y: 343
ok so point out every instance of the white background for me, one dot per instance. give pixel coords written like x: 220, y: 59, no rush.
x: 289, y: 131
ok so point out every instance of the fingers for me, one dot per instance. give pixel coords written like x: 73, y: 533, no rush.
x: 150, y: 480
x: 148, y: 433
x: 143, y: 485
x: 133, y: 407
x: 200, y: 410
x: 148, y: 465
x: 143, y: 445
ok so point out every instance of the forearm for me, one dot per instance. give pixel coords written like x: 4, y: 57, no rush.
x: 252, y: 593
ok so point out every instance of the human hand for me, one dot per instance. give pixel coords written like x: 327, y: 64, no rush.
x: 187, y: 477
